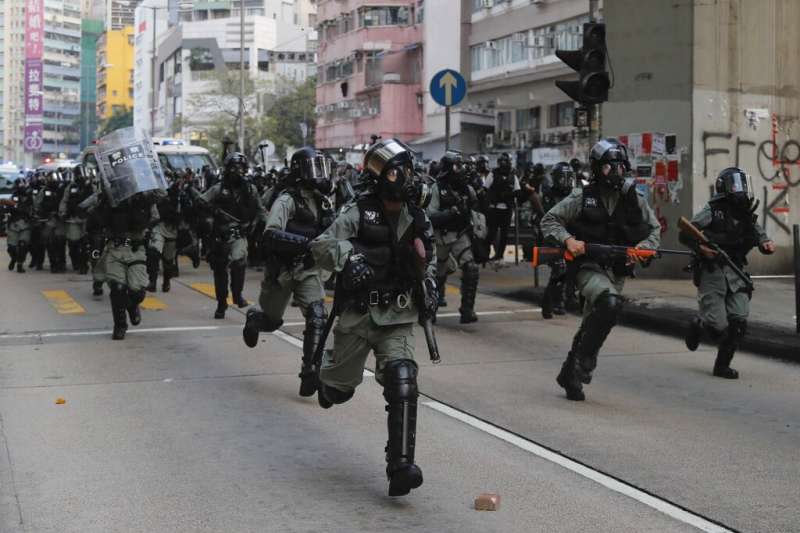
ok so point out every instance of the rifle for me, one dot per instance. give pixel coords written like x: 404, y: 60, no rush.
x: 697, y: 235
x: 543, y: 255
x: 421, y: 295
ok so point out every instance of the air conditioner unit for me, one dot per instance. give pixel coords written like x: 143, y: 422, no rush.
x: 488, y: 141
x: 487, y: 4
x: 372, y: 111
x: 490, y: 45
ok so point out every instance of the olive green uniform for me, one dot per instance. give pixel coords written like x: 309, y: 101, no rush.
x: 305, y: 285
x: 592, y: 279
x: 721, y: 294
x: 386, y: 330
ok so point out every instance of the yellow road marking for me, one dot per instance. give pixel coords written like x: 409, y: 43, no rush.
x: 64, y: 303
x: 151, y: 303
x: 453, y: 291
x: 208, y: 290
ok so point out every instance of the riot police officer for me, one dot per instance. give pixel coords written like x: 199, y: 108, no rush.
x: 450, y: 211
x: 235, y: 205
x: 54, y: 231
x: 299, y: 215
x: 607, y: 211
x: 19, y: 210
x: 78, y: 190
x: 161, y: 248
x: 503, y: 186
x: 371, y: 247
x: 560, y: 185
x: 729, y: 221
x: 37, y: 245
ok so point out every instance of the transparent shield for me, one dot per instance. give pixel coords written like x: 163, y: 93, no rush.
x: 128, y: 165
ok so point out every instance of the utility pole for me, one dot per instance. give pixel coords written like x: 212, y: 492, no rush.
x: 154, y: 88
x: 241, y: 76
x: 596, y: 113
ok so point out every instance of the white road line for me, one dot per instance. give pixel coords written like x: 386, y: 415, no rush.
x: 607, y: 481
x: 654, y: 502
x: 491, y: 313
x: 169, y: 329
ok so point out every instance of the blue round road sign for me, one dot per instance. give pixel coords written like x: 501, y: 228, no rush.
x: 448, y: 87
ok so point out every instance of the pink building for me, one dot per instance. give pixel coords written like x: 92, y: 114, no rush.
x: 370, y: 70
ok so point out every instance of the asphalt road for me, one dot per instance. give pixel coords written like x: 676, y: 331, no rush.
x: 183, y: 428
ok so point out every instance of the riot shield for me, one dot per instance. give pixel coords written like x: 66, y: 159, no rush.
x: 128, y: 165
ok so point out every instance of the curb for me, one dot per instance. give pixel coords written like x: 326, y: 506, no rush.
x: 761, y: 338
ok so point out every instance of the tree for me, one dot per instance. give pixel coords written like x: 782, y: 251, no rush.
x: 118, y: 119
x: 284, y: 104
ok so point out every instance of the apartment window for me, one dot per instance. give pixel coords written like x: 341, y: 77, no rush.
x: 383, y: 16
x: 528, y: 119
x: 561, y: 115
x: 201, y: 59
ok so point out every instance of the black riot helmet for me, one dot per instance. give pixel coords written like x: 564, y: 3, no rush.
x: 312, y: 168
x: 563, y: 178
x: 391, y: 164
x: 609, y: 163
x: 236, y: 167
x: 452, y: 163
x: 482, y: 165
x: 504, y: 163
x: 733, y: 186
x: 78, y: 175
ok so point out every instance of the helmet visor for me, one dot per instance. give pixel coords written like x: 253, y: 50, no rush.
x: 320, y: 168
x: 739, y: 183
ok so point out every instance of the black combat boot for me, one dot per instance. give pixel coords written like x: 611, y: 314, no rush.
x: 694, y: 333
x: 221, y: 292
x: 134, y: 299
x: 237, y: 285
x: 74, y: 255
x: 12, y: 253
x: 97, y: 288
x: 256, y: 321
x: 728, y: 344
x: 170, y: 271
x: 328, y: 396
x: 441, y: 283
x: 400, y: 393
x: 22, y: 251
x: 568, y: 378
x: 153, y: 259
x: 312, y: 337
x: 119, y: 303
x: 469, y: 290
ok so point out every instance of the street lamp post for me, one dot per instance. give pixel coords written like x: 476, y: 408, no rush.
x: 153, y: 61
x: 241, y: 75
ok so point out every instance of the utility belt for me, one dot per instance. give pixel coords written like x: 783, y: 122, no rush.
x: 123, y: 242
x: 229, y: 233
x: 382, y: 298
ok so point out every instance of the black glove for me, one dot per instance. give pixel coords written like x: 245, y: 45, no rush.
x: 356, y: 272
x: 431, y: 304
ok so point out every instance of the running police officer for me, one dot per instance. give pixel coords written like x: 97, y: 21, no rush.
x: 19, y: 209
x: 300, y: 214
x: 78, y: 190
x: 371, y: 247
x: 560, y: 185
x: 53, y: 233
x: 235, y: 205
x: 729, y: 221
x: 450, y: 211
x: 607, y: 211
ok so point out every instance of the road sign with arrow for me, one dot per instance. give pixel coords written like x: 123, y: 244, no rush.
x: 448, y: 87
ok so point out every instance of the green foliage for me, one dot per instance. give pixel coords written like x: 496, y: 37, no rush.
x: 118, y: 119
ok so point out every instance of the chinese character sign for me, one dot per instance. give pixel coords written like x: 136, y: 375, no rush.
x: 34, y: 29
x: 34, y: 74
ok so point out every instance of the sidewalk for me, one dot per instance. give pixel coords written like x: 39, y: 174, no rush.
x: 665, y: 305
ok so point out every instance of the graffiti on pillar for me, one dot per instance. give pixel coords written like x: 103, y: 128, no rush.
x: 655, y: 164
x: 774, y: 159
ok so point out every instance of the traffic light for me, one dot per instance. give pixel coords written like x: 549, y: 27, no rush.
x: 590, y: 63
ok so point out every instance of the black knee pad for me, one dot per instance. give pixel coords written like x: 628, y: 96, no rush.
x: 316, y: 315
x: 471, y: 270
x: 136, y: 297
x: 400, y: 381
x: 119, y: 294
x: 607, y: 307
x: 737, y: 327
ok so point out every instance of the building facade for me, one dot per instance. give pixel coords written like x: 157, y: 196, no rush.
x: 114, y: 72
x: 12, y: 95
x: 370, y: 71
x: 91, y: 30
x: 194, y: 55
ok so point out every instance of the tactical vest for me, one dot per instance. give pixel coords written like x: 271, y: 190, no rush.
x: 240, y: 204
x: 449, y: 197
x: 388, y: 257
x: 50, y: 200
x: 625, y: 226
x: 75, y: 196
x: 735, y: 237
x: 131, y: 216
x: 304, y: 222
x: 169, y: 208
x: 502, y: 186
